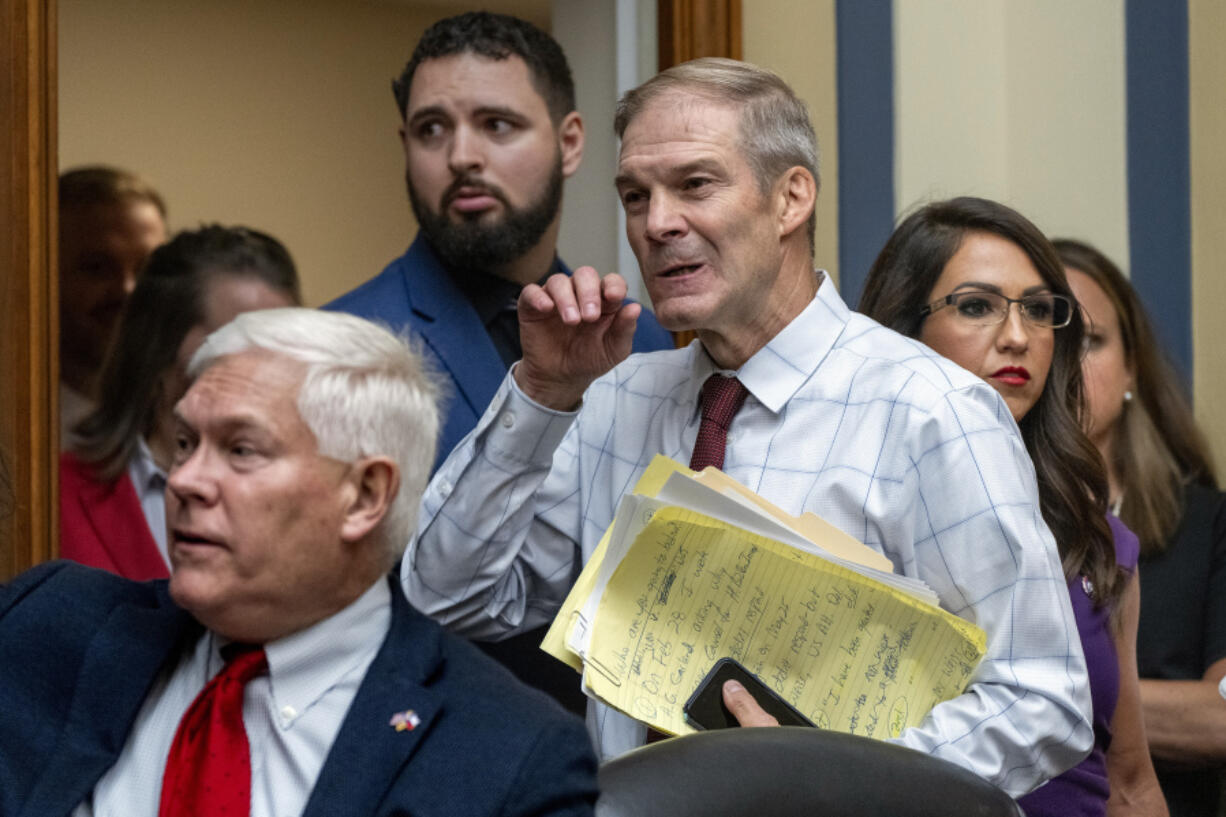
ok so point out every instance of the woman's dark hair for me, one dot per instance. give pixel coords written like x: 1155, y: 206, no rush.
x: 1071, y: 478
x: 1158, y: 446
x: 167, y: 302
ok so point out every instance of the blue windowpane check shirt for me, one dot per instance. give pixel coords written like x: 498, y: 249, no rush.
x: 873, y: 432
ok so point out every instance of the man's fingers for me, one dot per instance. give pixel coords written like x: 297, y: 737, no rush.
x: 587, y: 286
x: 582, y: 297
x: 621, y: 333
x: 744, y: 708
x: 534, y: 302
x: 562, y: 290
x: 613, y: 290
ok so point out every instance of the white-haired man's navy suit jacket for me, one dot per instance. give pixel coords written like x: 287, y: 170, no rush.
x: 415, y: 291
x: 80, y: 649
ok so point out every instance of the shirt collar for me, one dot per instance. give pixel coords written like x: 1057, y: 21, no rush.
x: 491, y: 294
x: 305, y: 665
x: 146, y: 474
x: 777, y: 371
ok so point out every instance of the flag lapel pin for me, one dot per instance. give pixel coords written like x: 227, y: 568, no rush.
x: 405, y: 721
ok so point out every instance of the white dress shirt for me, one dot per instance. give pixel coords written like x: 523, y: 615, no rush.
x: 149, y: 480
x: 873, y: 432
x: 292, y: 714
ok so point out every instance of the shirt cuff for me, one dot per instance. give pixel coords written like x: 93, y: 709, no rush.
x: 523, y: 431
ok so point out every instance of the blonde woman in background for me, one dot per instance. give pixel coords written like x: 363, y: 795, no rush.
x: 1162, y: 484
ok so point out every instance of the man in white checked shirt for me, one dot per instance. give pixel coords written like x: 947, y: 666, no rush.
x: 873, y: 432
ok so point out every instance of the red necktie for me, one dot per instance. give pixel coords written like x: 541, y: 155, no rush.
x: 208, y: 771
x: 722, y: 398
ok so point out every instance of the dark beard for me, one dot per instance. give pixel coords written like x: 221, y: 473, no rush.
x: 472, y: 247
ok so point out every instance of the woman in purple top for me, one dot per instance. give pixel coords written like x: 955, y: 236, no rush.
x: 1090, y: 777
x: 950, y: 276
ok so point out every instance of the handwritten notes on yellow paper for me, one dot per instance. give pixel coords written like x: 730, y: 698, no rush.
x: 568, y: 616
x: 850, y: 653
x: 683, y: 589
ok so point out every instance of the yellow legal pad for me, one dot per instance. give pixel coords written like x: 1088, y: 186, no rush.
x: 853, y: 652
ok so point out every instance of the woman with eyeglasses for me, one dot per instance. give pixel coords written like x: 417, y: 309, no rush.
x: 979, y: 284
x: 1164, y: 487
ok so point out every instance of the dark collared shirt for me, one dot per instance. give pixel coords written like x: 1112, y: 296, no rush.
x: 494, y: 298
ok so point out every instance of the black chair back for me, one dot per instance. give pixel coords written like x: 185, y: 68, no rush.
x: 786, y: 771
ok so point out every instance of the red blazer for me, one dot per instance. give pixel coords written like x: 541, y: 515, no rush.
x: 102, y: 524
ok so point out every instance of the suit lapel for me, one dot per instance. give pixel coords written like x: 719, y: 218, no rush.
x: 452, y: 329
x: 119, y: 667
x: 368, y: 746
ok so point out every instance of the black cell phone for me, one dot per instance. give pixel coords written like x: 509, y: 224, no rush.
x: 705, y: 709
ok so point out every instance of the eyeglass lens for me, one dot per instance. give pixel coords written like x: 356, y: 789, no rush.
x: 1045, y: 309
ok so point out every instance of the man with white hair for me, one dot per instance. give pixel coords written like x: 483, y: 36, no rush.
x: 279, y: 671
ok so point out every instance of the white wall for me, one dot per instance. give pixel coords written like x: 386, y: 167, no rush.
x: 1207, y: 24
x: 950, y: 129
x: 601, y: 38
x: 1021, y: 102
x: 796, y: 39
x: 585, y: 29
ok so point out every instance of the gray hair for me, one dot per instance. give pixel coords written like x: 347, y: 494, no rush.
x: 776, y: 133
x: 366, y: 393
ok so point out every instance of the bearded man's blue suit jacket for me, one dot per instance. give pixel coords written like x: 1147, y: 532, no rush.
x: 416, y: 291
x: 80, y: 649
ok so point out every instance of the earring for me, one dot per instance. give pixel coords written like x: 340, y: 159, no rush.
x: 1127, y: 396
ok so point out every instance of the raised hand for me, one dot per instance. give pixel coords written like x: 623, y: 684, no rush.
x: 572, y: 330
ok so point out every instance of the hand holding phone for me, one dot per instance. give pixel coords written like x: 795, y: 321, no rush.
x: 705, y: 709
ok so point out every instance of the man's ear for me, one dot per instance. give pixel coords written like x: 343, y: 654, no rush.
x: 373, y: 483
x: 570, y: 142
x: 796, y: 194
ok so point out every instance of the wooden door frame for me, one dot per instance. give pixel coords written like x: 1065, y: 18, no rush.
x: 688, y: 29
x: 29, y: 370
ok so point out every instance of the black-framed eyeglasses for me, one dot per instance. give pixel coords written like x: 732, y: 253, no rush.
x: 980, y: 308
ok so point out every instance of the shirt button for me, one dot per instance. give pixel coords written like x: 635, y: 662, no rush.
x: 444, y: 487
x: 288, y: 713
x: 508, y: 419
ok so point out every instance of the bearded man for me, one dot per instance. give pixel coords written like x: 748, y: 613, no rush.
x: 490, y: 132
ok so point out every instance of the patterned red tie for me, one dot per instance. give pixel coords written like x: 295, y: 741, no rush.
x: 722, y: 398
x: 208, y: 771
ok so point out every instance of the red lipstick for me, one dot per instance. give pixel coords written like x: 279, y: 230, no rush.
x: 1012, y: 375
